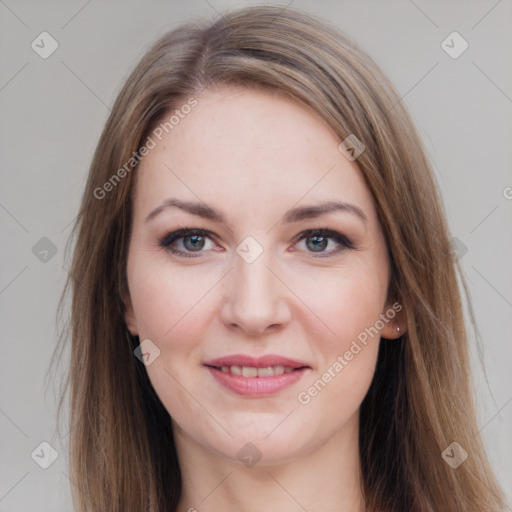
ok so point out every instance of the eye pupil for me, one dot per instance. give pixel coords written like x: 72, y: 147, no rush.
x: 196, y: 242
x: 319, y: 243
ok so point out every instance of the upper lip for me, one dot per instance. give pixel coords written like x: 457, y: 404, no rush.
x: 256, y: 362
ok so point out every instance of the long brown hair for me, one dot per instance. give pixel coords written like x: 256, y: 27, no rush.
x: 122, y: 453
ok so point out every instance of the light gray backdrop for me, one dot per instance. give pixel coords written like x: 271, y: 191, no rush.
x: 54, y: 106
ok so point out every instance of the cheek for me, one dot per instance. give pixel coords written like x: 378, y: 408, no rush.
x: 168, y: 304
x: 174, y: 309
x: 341, y: 302
x: 348, y: 357
x: 349, y: 302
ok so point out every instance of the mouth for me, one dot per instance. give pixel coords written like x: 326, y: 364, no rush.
x: 256, y: 377
x: 259, y: 372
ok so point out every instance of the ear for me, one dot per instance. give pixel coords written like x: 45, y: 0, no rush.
x: 395, y: 320
x: 129, y: 316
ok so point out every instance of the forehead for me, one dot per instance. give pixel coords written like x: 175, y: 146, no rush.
x: 241, y: 146
x: 242, y: 122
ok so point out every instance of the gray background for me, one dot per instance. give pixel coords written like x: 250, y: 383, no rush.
x: 54, y: 109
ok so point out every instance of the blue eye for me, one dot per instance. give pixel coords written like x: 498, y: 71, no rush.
x: 185, y: 242
x: 190, y: 240
x: 196, y: 242
x: 318, y: 240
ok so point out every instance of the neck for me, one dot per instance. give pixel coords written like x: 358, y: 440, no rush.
x: 322, y: 478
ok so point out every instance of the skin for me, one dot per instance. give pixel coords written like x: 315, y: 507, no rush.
x: 253, y: 156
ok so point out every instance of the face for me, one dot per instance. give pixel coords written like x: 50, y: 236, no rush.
x: 256, y: 250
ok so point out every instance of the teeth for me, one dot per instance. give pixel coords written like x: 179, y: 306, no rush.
x: 236, y: 370
x: 270, y: 371
x: 251, y: 371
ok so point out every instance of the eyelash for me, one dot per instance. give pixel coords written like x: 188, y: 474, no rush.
x: 343, y: 241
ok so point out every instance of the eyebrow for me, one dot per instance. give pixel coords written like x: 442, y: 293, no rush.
x: 293, y: 215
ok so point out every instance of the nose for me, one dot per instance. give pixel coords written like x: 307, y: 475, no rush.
x: 256, y: 301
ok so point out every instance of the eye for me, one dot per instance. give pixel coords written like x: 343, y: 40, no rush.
x: 185, y: 242
x: 324, y: 242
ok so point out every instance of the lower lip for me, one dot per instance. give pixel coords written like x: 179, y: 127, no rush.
x: 256, y: 386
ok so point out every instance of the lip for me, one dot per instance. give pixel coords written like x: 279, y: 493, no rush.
x: 258, y: 362
x: 256, y: 386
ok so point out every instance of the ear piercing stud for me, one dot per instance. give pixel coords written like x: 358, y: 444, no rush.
x: 398, y: 328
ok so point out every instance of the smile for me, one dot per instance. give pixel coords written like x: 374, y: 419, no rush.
x: 256, y: 382
x: 252, y: 371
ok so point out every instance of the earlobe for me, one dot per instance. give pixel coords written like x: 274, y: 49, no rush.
x: 395, y: 327
x: 392, y: 331
x: 129, y: 317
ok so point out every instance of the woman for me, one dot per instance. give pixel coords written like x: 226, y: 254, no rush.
x: 265, y: 308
